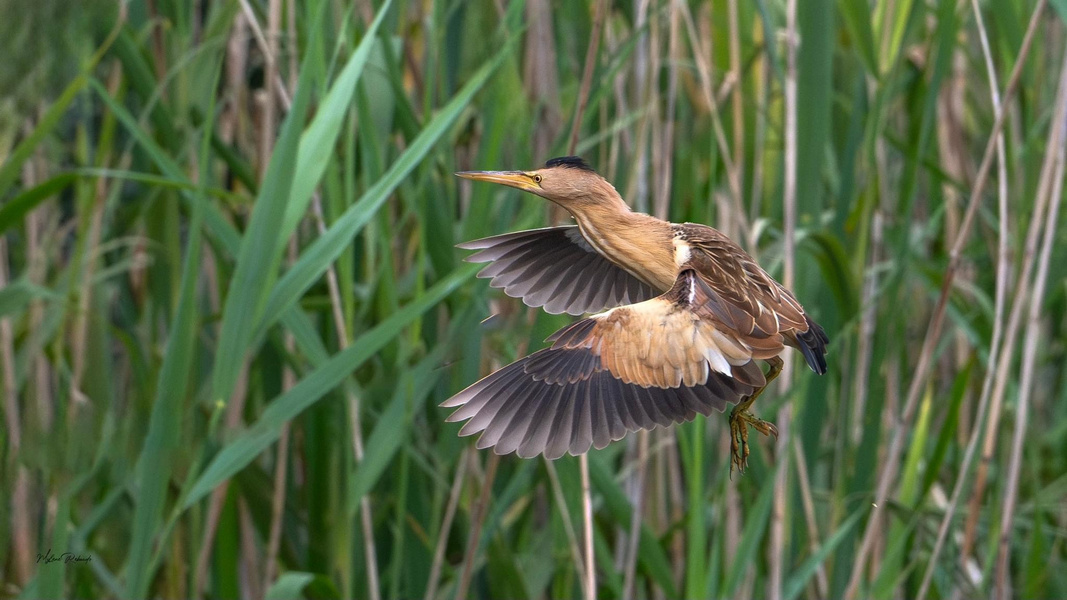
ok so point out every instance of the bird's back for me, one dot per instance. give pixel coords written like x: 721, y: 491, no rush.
x: 747, y: 301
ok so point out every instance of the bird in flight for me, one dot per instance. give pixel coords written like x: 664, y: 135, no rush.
x: 682, y: 318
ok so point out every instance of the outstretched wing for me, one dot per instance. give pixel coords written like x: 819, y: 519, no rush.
x: 650, y: 364
x: 747, y: 301
x: 556, y: 268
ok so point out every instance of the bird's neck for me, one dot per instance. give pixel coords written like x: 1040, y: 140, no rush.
x: 639, y: 243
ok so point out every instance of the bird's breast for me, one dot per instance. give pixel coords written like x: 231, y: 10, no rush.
x: 640, y: 249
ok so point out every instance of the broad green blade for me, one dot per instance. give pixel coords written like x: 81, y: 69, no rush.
x: 9, y: 171
x: 324, y: 250
x: 245, y: 448
x: 154, y: 468
x: 262, y: 243
x: 317, y: 143
x: 794, y: 585
x: 13, y: 211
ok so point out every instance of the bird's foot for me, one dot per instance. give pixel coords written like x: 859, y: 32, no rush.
x: 739, y: 423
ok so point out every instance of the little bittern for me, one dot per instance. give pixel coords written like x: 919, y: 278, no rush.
x: 688, y: 315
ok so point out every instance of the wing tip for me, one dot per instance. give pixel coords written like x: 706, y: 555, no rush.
x: 478, y: 244
x: 812, y: 345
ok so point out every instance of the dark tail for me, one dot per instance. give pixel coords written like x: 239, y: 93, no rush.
x: 812, y: 345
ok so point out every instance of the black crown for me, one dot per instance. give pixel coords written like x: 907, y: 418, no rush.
x: 570, y: 162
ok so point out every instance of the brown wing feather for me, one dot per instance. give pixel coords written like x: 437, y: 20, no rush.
x: 642, y: 366
x: 748, y: 297
x: 665, y: 342
x: 557, y: 269
x: 750, y: 303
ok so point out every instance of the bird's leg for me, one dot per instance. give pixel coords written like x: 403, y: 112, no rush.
x: 740, y: 419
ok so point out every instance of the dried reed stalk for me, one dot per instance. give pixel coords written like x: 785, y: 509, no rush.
x: 779, y: 507
x: 446, y: 525
x: 933, y: 332
x: 1002, y: 354
x: 1029, y: 358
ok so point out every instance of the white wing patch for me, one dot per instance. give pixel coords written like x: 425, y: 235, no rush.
x: 682, y: 251
x: 717, y: 361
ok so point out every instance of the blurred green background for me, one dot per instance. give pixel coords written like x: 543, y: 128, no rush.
x: 230, y: 300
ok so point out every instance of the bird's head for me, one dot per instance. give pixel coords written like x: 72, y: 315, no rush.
x: 568, y: 181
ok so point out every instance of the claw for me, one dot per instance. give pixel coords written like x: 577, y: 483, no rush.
x: 740, y: 419
x: 739, y: 450
x: 764, y: 427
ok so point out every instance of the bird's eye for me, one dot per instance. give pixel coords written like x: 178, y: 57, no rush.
x: 537, y: 178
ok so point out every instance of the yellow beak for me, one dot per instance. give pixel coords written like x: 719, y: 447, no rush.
x: 515, y: 179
